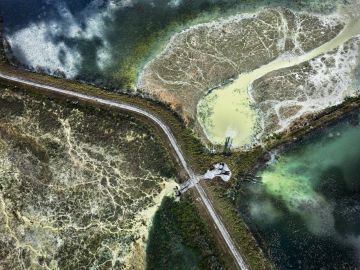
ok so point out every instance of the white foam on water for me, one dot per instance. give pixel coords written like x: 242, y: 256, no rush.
x: 230, y: 132
x: 38, y: 52
x: 174, y: 3
x: 35, y: 45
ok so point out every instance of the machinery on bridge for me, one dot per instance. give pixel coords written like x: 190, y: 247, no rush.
x: 220, y: 170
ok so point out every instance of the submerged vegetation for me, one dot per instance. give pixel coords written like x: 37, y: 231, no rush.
x: 200, y: 158
x: 181, y: 240
x: 308, y: 200
x: 40, y: 133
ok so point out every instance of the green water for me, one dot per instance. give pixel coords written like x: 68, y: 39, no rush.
x: 306, y: 211
x: 234, y: 99
x: 107, y: 42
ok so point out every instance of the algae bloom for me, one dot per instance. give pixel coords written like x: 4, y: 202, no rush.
x: 306, y: 209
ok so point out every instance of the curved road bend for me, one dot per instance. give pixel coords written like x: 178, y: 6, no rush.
x: 215, y: 217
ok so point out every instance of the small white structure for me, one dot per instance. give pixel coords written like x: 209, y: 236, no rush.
x: 219, y: 169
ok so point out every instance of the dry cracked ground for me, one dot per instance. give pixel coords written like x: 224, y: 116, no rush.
x: 77, y: 185
x: 287, y: 94
x: 205, y: 56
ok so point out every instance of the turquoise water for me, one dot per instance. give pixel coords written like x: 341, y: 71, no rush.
x: 306, y: 210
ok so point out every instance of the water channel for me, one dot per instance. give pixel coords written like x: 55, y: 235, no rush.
x: 233, y: 111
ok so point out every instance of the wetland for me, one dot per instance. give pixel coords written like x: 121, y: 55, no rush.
x: 81, y: 186
x: 253, y: 74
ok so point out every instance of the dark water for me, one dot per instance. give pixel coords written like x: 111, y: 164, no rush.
x: 107, y: 41
x: 306, y: 212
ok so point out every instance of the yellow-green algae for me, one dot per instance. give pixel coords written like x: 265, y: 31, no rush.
x: 286, y: 183
x: 305, y: 209
x: 232, y: 110
x: 230, y: 115
x: 294, y: 178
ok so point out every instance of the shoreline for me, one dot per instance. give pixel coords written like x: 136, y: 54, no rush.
x: 350, y: 117
x: 246, y: 80
x: 310, y: 130
x: 147, y: 216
